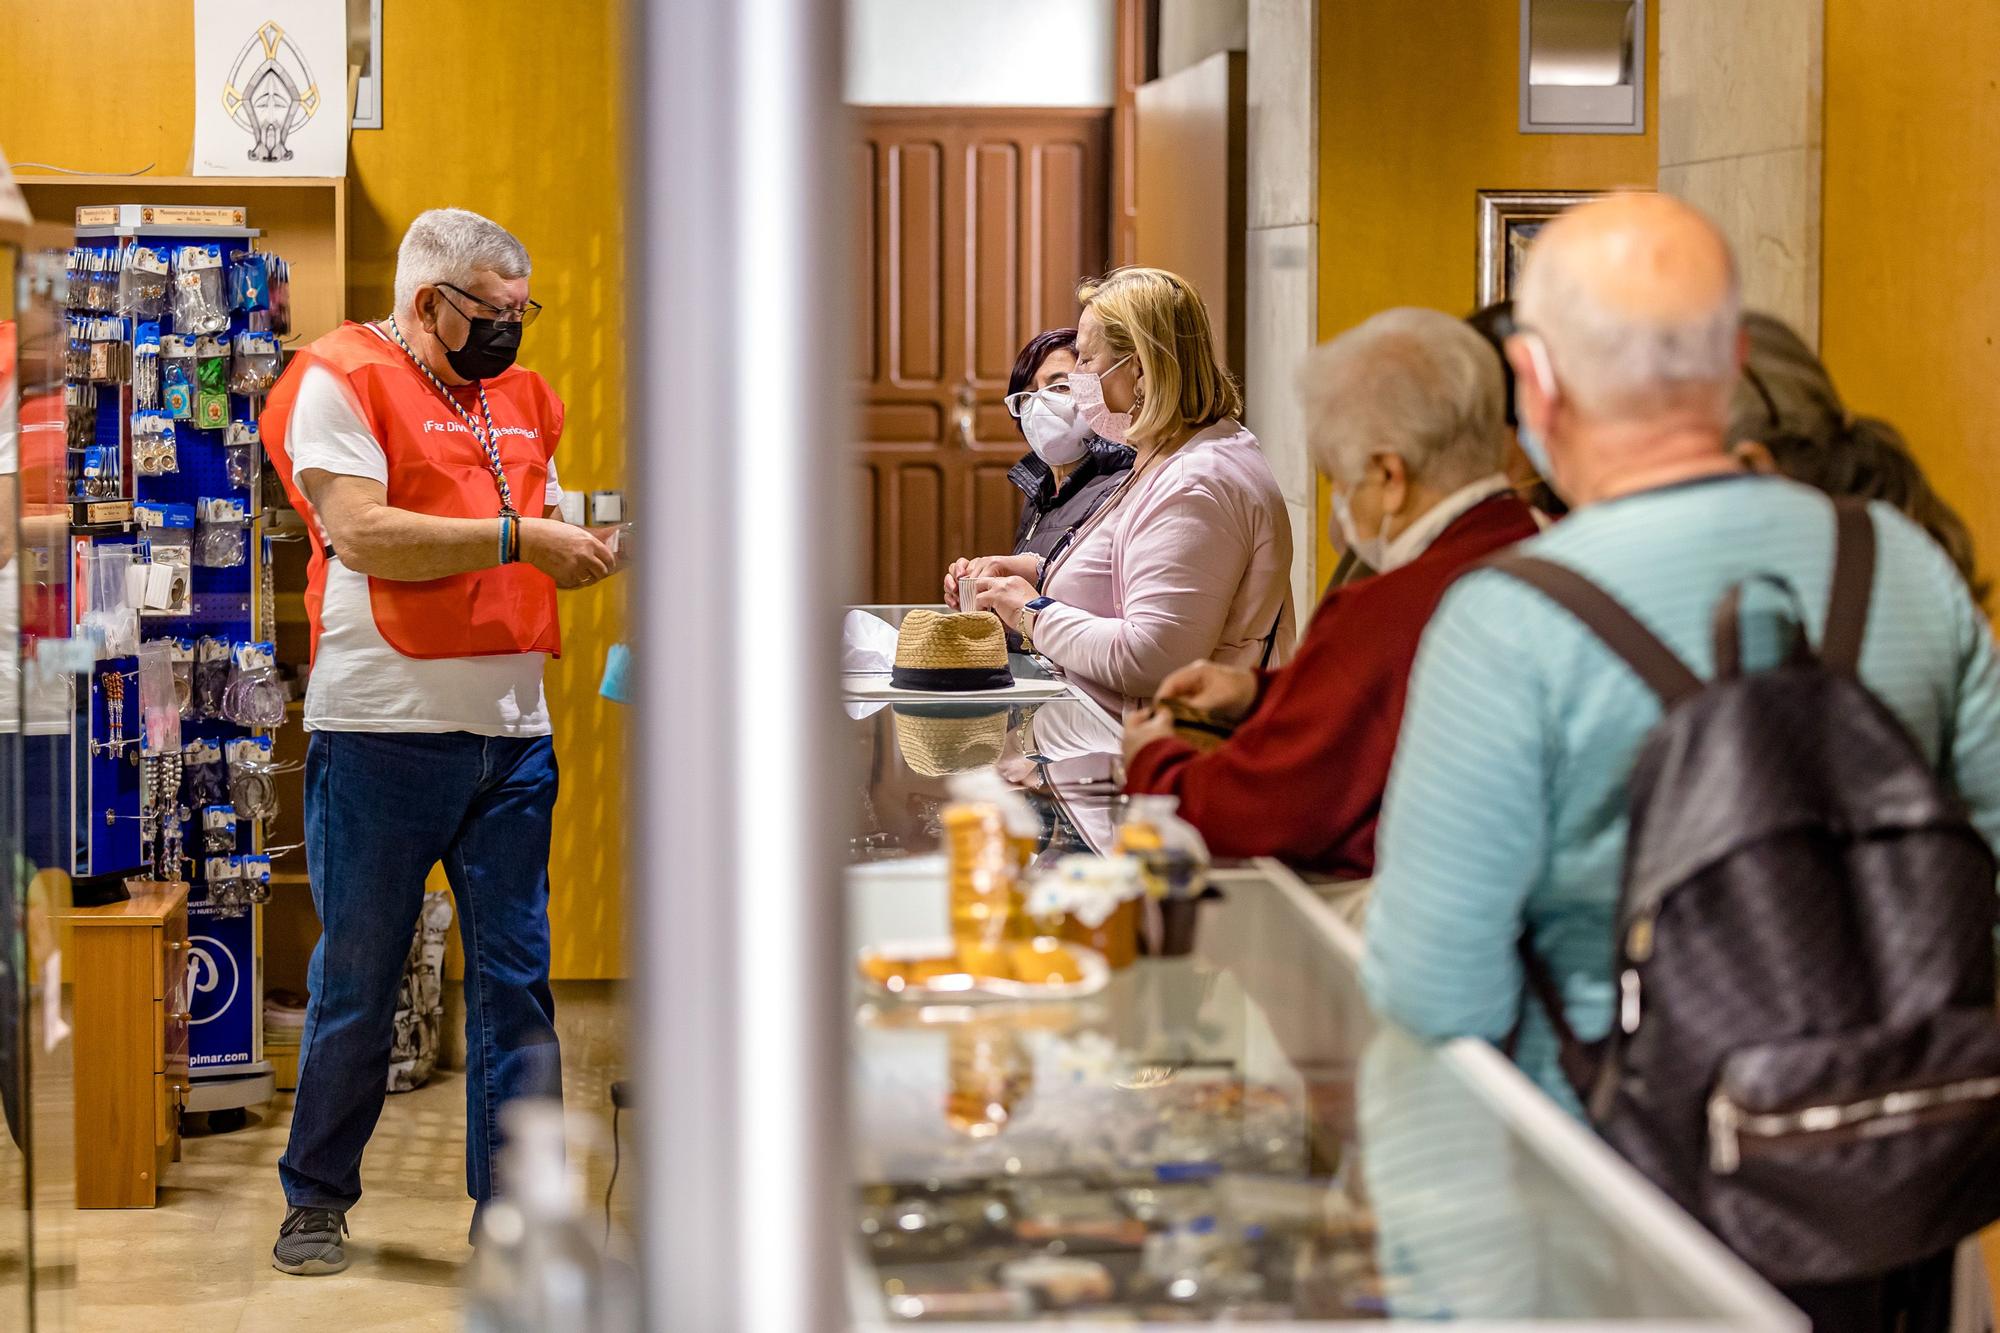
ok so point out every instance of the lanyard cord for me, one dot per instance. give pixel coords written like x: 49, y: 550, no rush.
x: 485, y: 437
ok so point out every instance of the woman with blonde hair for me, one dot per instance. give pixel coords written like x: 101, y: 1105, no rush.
x: 1191, y: 557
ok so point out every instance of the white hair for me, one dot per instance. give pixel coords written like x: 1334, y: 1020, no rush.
x: 1414, y: 383
x: 454, y: 245
x: 1617, y: 363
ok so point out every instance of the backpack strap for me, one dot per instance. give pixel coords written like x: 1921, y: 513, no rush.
x: 1622, y: 632
x: 1581, y: 1061
x: 1853, y: 585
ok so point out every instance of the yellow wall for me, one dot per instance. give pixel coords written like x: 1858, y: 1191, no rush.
x: 1910, y: 286
x: 508, y: 107
x: 1418, y: 112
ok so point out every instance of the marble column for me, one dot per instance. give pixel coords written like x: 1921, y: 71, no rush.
x: 1740, y: 137
x: 1281, y: 258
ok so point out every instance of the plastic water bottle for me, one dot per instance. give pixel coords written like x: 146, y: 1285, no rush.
x: 538, y: 1266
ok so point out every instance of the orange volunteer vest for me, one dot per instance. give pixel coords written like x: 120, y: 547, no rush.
x: 435, y: 467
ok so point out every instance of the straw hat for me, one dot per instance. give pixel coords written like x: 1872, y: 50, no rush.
x: 938, y: 740
x: 949, y: 653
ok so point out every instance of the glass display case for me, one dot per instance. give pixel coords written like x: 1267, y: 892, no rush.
x: 1225, y: 1136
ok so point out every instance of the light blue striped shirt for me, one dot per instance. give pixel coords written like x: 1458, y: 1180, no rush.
x: 1507, y: 802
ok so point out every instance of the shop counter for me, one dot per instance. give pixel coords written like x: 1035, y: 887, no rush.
x: 1227, y: 1137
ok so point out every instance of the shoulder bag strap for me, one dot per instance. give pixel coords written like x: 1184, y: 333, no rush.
x: 1853, y: 586
x: 1655, y: 663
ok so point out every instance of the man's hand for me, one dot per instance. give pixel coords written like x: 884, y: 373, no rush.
x: 574, y: 557
x: 987, y: 567
x: 1005, y: 599
x: 1225, y: 693
x: 1143, y: 726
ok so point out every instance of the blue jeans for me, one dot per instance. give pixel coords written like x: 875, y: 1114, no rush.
x: 380, y: 810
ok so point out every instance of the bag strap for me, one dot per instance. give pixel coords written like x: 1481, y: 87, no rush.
x: 1580, y: 1060
x: 1853, y: 586
x: 1622, y: 632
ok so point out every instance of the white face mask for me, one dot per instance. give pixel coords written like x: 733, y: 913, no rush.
x: 1056, y: 431
x: 1370, y: 551
x: 1087, y: 387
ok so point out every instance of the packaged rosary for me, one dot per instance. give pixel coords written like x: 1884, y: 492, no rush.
x: 211, y: 394
x: 142, y: 282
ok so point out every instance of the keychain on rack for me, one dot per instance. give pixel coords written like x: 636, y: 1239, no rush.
x: 155, y: 452
x: 251, y: 784
x: 177, y: 375
x: 211, y: 373
x: 256, y: 693
x: 142, y: 282
x: 253, y: 368
x: 218, y: 828
x: 204, y: 779
x: 240, y: 447
x: 146, y: 367
x: 211, y: 675
x: 223, y: 540
x: 198, y: 303
x: 254, y: 870
x: 226, y: 894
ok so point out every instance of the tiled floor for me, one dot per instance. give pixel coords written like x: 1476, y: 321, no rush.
x: 201, y: 1261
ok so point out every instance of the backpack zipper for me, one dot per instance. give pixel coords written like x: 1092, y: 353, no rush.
x: 1730, y: 1125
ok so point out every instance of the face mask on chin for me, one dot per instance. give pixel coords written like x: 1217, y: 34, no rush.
x: 1056, y: 431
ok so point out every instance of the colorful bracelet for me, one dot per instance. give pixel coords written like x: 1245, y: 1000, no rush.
x: 506, y: 526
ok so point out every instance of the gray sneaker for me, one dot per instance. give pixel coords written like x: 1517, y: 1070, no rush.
x: 309, y: 1242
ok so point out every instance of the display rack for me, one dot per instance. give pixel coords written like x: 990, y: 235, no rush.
x: 120, y: 832
x: 303, y: 218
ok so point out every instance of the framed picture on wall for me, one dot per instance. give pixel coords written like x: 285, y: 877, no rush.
x: 1509, y: 221
x: 364, y: 53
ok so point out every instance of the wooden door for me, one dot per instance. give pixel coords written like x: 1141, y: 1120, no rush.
x: 972, y: 229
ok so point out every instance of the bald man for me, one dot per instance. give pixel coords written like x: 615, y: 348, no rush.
x: 1506, y: 808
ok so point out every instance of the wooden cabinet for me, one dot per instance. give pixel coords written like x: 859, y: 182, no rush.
x: 129, y: 976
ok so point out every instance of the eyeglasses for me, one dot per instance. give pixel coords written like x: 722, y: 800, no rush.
x: 524, y: 316
x: 1017, y: 403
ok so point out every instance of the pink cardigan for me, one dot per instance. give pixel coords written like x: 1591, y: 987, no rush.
x: 1192, y: 561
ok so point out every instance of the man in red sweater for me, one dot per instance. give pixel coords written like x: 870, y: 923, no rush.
x: 1405, y: 416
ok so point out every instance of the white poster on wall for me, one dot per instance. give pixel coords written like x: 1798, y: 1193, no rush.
x: 270, y: 88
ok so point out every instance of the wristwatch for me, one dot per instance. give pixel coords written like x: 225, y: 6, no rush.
x: 1028, y: 618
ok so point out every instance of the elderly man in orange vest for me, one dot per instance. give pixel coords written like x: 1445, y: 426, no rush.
x: 423, y: 460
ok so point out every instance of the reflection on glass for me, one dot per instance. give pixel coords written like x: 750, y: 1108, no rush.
x: 36, y: 1152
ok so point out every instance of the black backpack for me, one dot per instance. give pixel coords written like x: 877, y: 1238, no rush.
x: 1805, y: 1051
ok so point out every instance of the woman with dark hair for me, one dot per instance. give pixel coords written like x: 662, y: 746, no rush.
x: 1788, y: 418
x: 1495, y: 323
x: 1069, y: 471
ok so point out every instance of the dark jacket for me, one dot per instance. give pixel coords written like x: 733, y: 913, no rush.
x: 1047, y: 513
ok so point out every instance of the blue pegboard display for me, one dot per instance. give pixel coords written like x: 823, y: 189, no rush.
x: 123, y: 817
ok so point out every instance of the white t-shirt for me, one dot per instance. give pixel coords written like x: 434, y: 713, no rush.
x: 359, y: 682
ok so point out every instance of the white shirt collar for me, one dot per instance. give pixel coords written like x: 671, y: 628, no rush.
x: 1414, y: 540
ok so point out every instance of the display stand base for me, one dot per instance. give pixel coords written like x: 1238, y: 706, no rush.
x: 241, y: 1085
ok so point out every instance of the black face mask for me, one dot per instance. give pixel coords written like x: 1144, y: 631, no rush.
x: 490, y: 347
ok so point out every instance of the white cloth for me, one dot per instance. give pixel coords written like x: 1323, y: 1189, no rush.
x: 867, y: 644
x: 359, y: 682
x: 1414, y: 540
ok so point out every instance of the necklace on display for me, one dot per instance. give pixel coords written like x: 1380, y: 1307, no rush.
x: 486, y: 437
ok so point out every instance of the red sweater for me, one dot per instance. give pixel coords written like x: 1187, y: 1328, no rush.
x: 1302, y: 777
